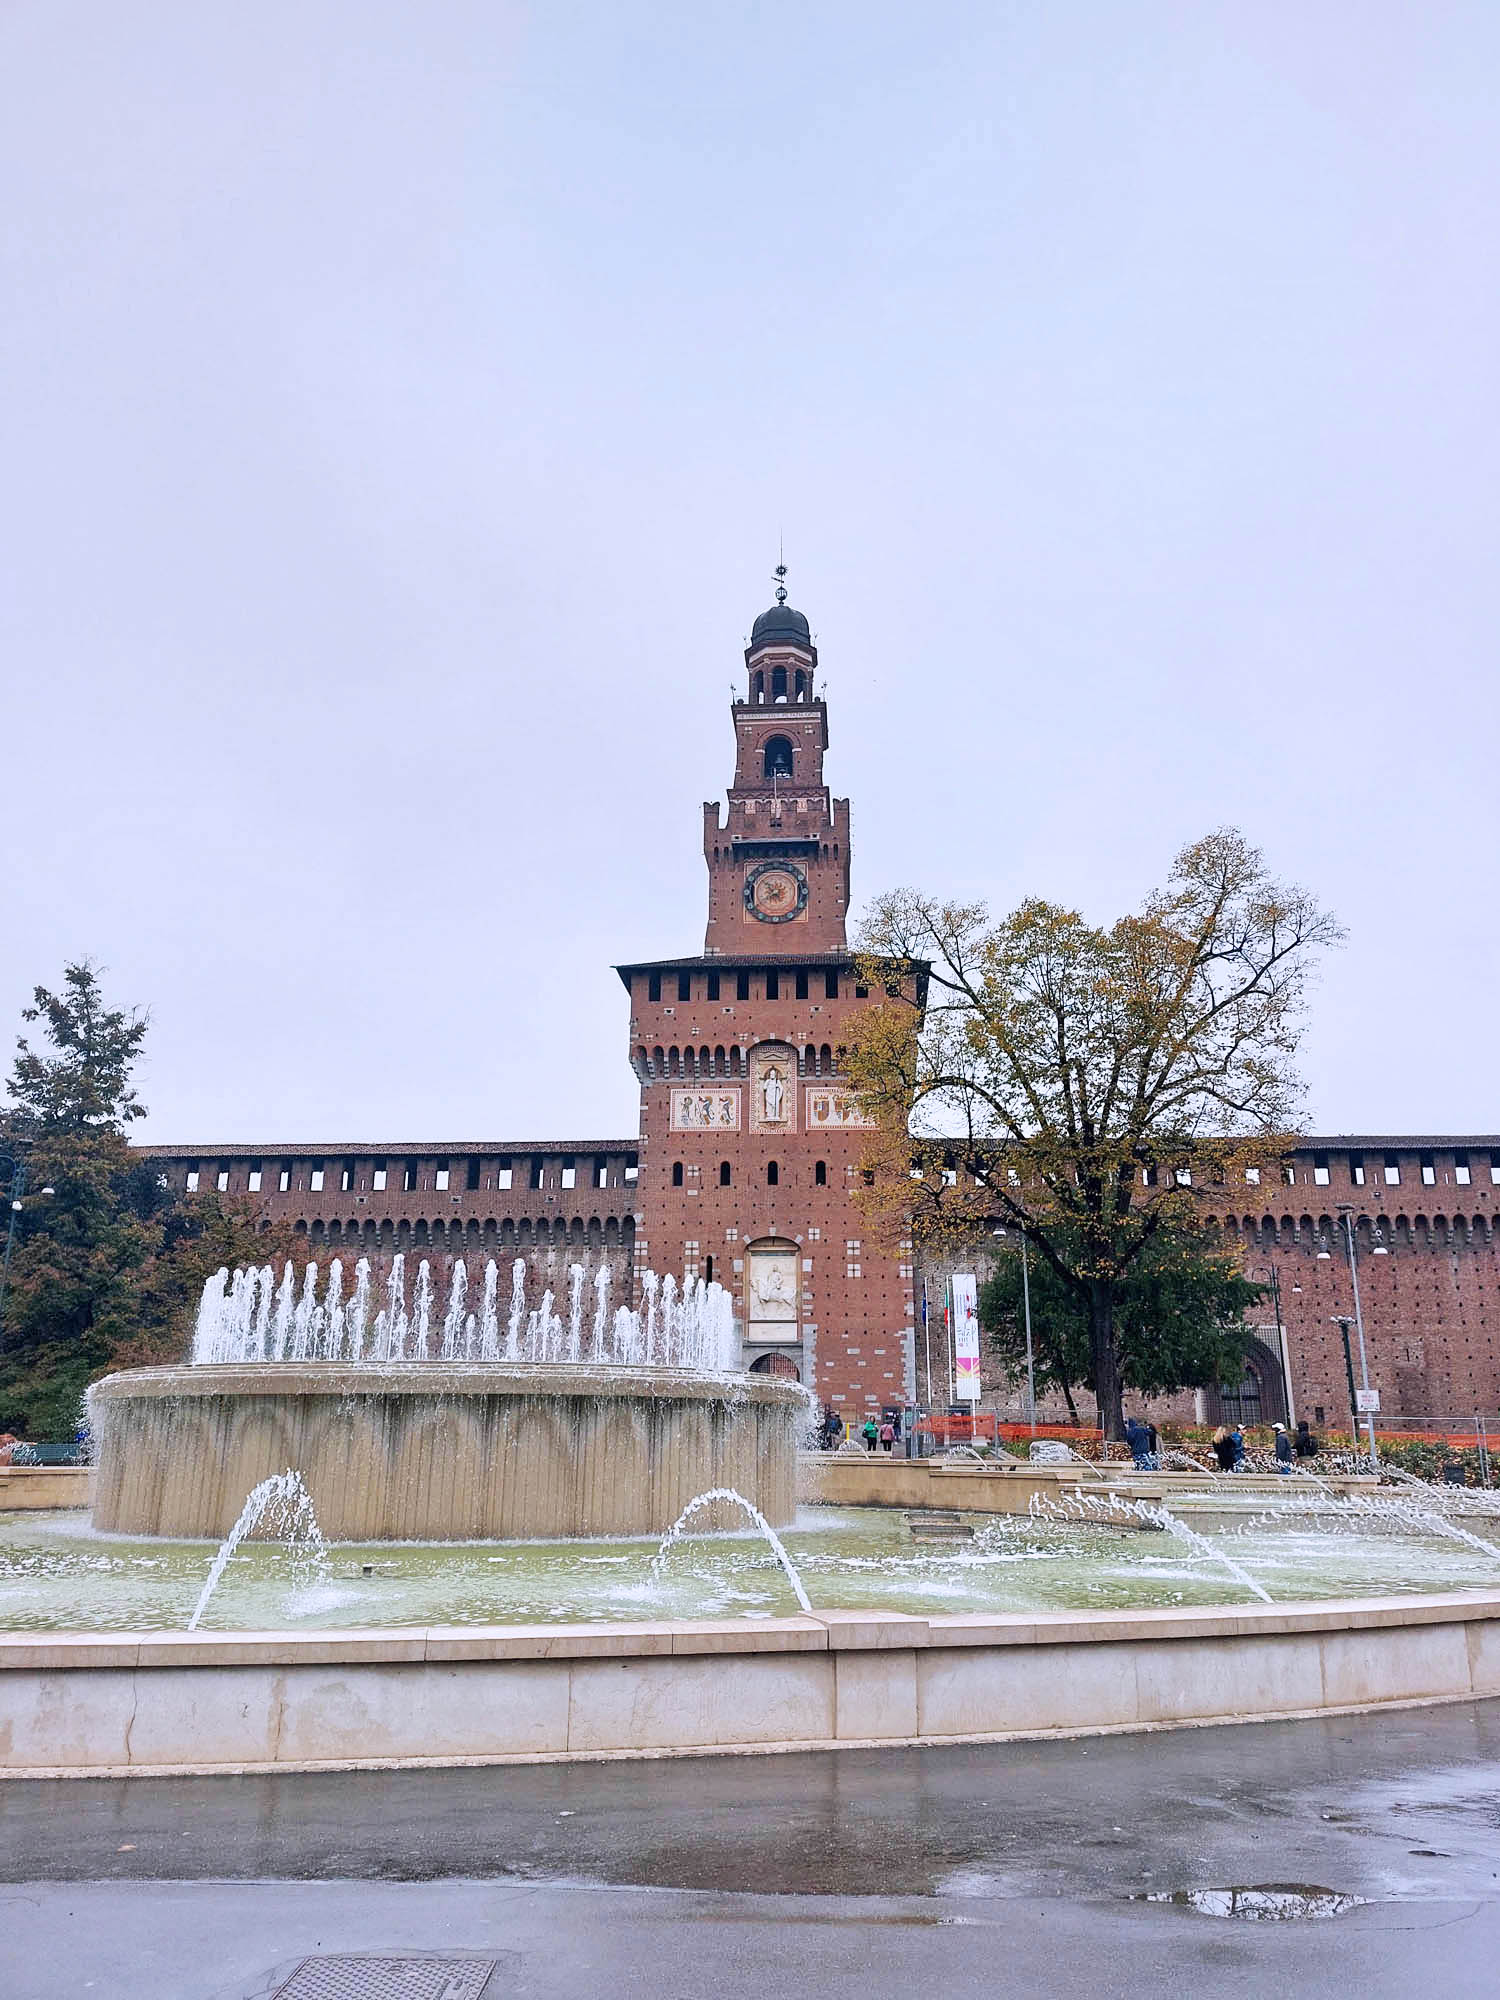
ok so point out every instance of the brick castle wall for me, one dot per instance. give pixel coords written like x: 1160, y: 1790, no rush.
x: 745, y: 1167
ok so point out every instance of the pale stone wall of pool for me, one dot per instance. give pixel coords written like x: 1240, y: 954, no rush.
x: 25, y: 1488
x: 157, y: 1704
x: 441, y: 1451
x: 871, y: 1479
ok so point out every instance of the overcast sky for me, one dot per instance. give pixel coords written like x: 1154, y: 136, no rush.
x: 401, y: 406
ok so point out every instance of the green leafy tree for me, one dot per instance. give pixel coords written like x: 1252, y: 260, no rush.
x: 109, y: 1263
x: 84, y: 1084
x: 1081, y: 1081
x: 1179, y: 1318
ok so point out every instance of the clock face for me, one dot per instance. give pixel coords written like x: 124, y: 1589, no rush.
x: 775, y: 892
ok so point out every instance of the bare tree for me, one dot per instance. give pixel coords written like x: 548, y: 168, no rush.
x: 1078, y: 1082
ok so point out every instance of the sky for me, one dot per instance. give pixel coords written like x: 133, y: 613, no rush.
x: 402, y: 407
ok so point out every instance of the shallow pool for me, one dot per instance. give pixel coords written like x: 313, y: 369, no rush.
x: 57, y: 1574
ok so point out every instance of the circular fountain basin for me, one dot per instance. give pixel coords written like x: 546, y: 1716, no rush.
x: 442, y: 1451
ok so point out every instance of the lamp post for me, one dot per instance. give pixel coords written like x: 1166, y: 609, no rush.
x: 1346, y: 1210
x: 1343, y: 1322
x: 17, y: 1167
x: 1030, y: 1357
x: 1000, y: 1230
x: 1283, y: 1353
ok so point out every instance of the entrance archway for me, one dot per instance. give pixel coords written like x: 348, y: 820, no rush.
x: 776, y: 1364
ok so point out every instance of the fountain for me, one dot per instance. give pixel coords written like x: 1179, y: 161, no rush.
x: 1200, y: 1544
x: 715, y: 1495
x: 413, y: 1417
x: 282, y: 1506
x: 1109, y: 1507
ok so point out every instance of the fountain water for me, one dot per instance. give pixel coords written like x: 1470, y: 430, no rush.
x: 675, y: 1533
x: 431, y: 1422
x: 250, y: 1316
x: 1101, y: 1506
x: 283, y: 1504
x: 1187, y: 1459
x: 1427, y: 1517
x: 1164, y: 1517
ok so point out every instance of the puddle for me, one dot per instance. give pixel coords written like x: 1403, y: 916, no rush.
x: 1474, y: 1808
x: 1261, y: 1902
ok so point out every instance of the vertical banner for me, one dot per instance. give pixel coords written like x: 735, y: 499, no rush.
x: 965, y: 1338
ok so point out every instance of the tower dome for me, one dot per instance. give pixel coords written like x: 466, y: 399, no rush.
x: 781, y: 625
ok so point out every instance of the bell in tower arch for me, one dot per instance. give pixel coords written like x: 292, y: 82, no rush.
x: 778, y: 757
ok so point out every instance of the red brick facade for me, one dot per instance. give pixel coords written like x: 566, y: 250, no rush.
x: 749, y: 1147
x: 1426, y: 1216
x: 746, y: 1166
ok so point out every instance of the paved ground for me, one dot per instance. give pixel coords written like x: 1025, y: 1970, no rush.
x: 1016, y: 1869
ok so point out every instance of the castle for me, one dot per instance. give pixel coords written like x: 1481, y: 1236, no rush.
x: 745, y: 1166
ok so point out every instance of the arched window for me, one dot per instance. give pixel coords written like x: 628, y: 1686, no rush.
x: 677, y: 1173
x: 1243, y: 1402
x: 778, y: 683
x: 724, y: 1173
x: 757, y: 687
x: 773, y: 1174
x: 820, y: 1174
x: 778, y: 756
x: 800, y: 684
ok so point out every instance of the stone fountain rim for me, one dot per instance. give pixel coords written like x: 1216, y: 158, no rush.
x: 557, y: 1380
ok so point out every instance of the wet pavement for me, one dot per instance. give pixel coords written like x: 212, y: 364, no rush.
x: 1362, y: 1852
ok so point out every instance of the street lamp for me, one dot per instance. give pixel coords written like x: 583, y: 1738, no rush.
x: 17, y: 1166
x: 1026, y: 1307
x: 1346, y: 1210
x: 1284, y: 1353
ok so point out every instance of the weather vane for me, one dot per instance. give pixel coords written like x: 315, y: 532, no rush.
x: 781, y: 570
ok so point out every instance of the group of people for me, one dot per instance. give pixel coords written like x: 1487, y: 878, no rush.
x: 879, y: 1434
x: 1229, y: 1446
x: 884, y: 1434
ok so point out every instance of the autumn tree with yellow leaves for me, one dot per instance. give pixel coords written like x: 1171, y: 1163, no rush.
x: 1084, y: 1083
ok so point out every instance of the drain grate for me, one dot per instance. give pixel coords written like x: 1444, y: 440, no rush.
x: 367, y: 1978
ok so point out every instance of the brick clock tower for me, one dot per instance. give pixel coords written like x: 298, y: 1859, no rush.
x: 750, y: 1147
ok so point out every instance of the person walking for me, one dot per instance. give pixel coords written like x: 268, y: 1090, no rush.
x: 1224, y: 1449
x: 870, y: 1434
x: 1283, y: 1448
x: 1237, y: 1439
x: 1138, y: 1437
x: 1307, y: 1444
x: 887, y: 1437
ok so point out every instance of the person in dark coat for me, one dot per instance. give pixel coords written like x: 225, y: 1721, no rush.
x: 1224, y: 1449
x: 1307, y: 1444
x: 1139, y: 1439
x: 1283, y: 1449
x: 1237, y: 1439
